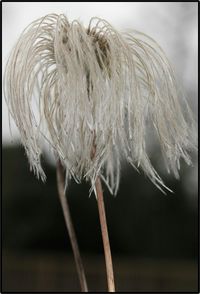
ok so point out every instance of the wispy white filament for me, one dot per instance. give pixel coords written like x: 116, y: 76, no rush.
x: 96, y: 91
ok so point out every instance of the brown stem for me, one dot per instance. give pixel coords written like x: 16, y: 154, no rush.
x: 105, y: 237
x: 70, y: 227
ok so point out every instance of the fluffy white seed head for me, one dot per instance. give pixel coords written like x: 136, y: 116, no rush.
x: 91, y: 94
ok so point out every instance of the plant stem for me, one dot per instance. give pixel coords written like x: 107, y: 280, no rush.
x: 105, y: 237
x: 70, y: 227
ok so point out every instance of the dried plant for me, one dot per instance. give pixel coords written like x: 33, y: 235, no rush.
x: 91, y: 94
x: 95, y: 80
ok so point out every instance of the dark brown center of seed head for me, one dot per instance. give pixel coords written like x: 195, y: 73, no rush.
x: 102, y: 54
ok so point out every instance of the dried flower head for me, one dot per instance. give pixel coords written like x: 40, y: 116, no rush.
x: 91, y: 94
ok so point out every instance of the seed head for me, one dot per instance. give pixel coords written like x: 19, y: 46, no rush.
x: 91, y: 93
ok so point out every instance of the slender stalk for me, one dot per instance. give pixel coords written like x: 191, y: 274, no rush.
x: 70, y: 227
x: 105, y: 237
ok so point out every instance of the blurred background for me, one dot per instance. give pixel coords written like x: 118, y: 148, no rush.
x: 153, y: 237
